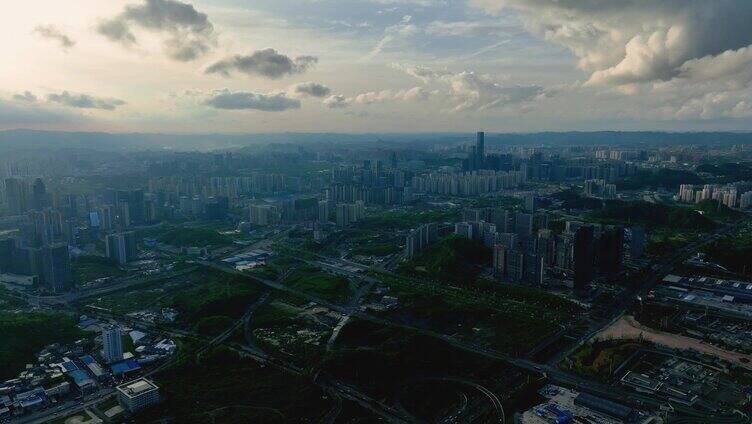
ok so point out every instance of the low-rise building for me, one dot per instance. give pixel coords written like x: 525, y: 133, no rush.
x: 138, y: 394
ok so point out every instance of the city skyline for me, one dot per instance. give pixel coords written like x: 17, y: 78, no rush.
x: 228, y: 66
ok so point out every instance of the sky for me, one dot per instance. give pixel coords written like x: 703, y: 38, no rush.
x: 232, y: 66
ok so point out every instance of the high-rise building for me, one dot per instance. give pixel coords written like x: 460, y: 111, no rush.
x: 7, y: 248
x: 610, y: 251
x: 420, y: 238
x: 56, y: 267
x: 112, y: 344
x: 584, y: 257
x: 637, y: 242
x: 17, y: 195
x: 107, y: 216
x: 121, y: 247
x: 530, y: 203
x: 323, y: 213
x: 523, y: 225
x: 480, y: 149
x: 263, y: 215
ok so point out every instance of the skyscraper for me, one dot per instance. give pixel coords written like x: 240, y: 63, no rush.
x: 16, y: 195
x: 480, y: 149
x: 7, y: 246
x: 56, y: 267
x: 584, y: 260
x: 121, y: 247
x: 39, y: 195
x: 112, y: 344
x: 610, y: 251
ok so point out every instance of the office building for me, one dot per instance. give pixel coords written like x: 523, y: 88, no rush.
x: 7, y: 248
x: 137, y: 395
x: 121, y: 247
x: 523, y: 225
x: 584, y: 257
x: 323, y: 212
x: 17, y: 195
x: 349, y: 213
x: 610, y: 251
x: 112, y: 344
x: 420, y: 238
x: 637, y: 242
x: 264, y: 215
x: 56, y: 267
x: 464, y: 229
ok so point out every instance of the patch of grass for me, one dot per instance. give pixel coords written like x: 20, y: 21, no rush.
x: 213, y: 325
x: 406, y: 220
x: 326, y: 286
x: 187, y: 236
x: 89, y: 268
x: 601, y: 358
x: 512, y: 319
x: 652, y: 216
x: 376, y: 249
x: 732, y: 252
x: 221, y: 295
x: 224, y: 387
x: 8, y: 302
x: 453, y: 259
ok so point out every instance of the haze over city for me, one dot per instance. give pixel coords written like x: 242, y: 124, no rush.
x: 376, y: 211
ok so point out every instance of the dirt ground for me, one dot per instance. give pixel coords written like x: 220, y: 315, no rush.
x: 628, y: 327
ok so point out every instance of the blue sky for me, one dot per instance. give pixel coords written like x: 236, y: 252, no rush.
x: 375, y: 65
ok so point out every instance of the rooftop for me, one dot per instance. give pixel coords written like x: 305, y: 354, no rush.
x: 137, y: 387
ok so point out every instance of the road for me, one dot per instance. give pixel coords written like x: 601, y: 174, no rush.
x: 63, y: 411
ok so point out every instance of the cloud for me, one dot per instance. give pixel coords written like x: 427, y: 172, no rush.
x: 393, y: 35
x: 466, y: 90
x: 188, y: 33
x: 422, y: 73
x: 84, y: 101
x: 26, y: 96
x: 371, y: 97
x: 266, y: 63
x: 237, y: 100
x: 308, y: 89
x: 336, y: 101
x: 470, y: 29
x: 52, y: 33
x: 626, y: 42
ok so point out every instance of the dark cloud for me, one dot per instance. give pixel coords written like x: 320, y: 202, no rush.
x: 237, y: 100
x: 52, y: 33
x: 637, y: 41
x: 309, y: 89
x: 189, y: 33
x: 267, y: 63
x: 117, y: 30
x: 84, y: 101
x: 26, y: 96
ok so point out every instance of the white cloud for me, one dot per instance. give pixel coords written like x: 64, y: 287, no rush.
x: 336, y: 101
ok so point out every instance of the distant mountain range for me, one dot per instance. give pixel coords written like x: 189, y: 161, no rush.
x: 22, y: 139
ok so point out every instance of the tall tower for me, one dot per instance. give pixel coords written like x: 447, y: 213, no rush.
x: 480, y: 149
x: 112, y: 344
